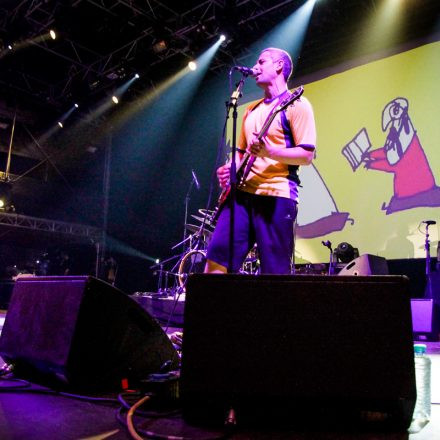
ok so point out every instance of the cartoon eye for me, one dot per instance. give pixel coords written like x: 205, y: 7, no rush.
x: 395, y: 109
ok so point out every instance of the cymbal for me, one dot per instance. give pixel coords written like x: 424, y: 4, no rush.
x: 208, y: 213
x: 196, y: 230
x: 206, y: 219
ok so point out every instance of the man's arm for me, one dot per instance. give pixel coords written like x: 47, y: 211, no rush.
x: 300, y: 155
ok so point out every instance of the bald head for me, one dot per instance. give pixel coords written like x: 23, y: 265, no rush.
x: 280, y: 54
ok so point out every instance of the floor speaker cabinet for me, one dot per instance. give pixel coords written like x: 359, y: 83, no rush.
x: 302, y: 351
x: 366, y: 264
x: 82, y: 333
x: 425, y: 319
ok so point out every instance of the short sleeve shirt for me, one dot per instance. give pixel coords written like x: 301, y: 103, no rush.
x: 292, y: 128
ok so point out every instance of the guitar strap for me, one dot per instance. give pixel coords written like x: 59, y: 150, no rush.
x: 253, y: 158
x: 290, y: 141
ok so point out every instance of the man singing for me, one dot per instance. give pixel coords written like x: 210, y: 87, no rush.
x: 266, y: 203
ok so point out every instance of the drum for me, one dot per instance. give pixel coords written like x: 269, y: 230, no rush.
x: 192, y: 262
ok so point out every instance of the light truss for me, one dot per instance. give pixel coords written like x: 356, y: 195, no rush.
x: 180, y: 23
x: 52, y: 226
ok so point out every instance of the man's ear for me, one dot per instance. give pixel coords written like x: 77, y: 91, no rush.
x: 280, y: 65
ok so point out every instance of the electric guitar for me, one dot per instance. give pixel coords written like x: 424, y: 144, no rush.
x: 247, y: 160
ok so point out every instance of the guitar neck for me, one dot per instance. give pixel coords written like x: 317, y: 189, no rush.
x: 284, y: 104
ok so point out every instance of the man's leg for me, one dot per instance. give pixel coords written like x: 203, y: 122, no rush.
x: 218, y: 249
x: 213, y: 267
x: 274, y: 219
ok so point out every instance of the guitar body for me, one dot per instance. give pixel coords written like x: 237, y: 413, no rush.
x: 226, y: 191
x: 245, y: 165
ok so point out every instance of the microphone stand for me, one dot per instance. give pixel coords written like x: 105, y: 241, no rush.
x: 331, y: 268
x: 232, y: 104
x: 428, y: 288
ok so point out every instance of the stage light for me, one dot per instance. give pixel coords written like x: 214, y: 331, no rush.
x: 137, y: 76
x: 6, y: 204
x: 157, y: 261
x: 60, y: 124
x: 345, y: 252
x: 222, y: 37
x: 76, y: 105
x: 160, y: 46
x: 192, y: 65
x: 115, y: 99
x: 9, y: 46
x: 53, y: 34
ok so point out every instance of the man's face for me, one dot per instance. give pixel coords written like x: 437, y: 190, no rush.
x: 267, y: 68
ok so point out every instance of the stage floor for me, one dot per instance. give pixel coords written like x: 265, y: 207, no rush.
x: 35, y: 415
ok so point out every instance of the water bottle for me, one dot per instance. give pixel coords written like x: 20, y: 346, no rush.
x: 422, y: 409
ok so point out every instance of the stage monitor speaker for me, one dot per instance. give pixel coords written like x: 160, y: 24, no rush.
x: 302, y: 351
x: 81, y: 332
x: 425, y: 319
x: 366, y: 264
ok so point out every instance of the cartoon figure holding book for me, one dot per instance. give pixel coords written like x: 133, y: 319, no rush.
x: 402, y: 155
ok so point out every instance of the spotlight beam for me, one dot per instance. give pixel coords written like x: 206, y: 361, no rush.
x: 49, y: 159
x: 290, y: 33
x: 184, y: 86
x: 123, y: 248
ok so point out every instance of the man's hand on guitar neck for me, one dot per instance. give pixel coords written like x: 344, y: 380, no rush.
x: 258, y: 148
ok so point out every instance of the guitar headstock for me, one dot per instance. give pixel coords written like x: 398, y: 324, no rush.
x: 290, y: 99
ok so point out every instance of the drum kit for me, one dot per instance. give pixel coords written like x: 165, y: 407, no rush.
x: 193, y: 257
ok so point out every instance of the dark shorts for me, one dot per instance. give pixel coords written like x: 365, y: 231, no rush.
x: 265, y: 220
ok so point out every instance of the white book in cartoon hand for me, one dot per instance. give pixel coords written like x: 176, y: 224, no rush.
x: 355, y: 150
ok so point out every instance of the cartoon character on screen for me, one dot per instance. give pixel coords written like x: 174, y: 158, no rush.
x: 402, y: 155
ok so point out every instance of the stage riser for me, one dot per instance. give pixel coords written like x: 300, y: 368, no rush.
x: 167, y: 310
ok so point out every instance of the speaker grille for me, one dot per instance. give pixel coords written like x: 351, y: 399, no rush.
x: 298, y: 347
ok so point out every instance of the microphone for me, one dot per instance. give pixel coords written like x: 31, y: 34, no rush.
x: 196, y: 181
x: 327, y: 244
x: 246, y: 70
x: 429, y: 222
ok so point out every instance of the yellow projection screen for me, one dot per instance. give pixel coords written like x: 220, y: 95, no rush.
x: 376, y: 175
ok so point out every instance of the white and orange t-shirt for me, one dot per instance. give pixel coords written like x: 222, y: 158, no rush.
x: 291, y: 128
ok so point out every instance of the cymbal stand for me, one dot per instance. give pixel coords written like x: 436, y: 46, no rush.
x: 160, y: 282
x: 189, y: 237
x: 187, y: 199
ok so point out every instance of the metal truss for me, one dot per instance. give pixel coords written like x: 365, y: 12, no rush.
x: 179, y: 21
x: 52, y: 226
